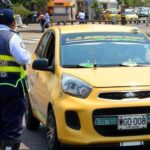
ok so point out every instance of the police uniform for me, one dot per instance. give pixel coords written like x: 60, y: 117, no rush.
x: 13, y: 58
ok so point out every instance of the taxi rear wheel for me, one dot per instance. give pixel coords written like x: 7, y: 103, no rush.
x: 31, y: 122
x: 52, y: 139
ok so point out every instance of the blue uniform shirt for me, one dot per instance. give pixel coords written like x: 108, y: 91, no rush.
x: 17, y: 48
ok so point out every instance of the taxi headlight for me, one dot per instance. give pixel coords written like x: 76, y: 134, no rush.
x: 75, y: 86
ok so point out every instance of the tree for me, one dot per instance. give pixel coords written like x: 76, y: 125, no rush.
x: 20, y: 9
x: 137, y: 3
x: 26, y: 7
x: 96, y: 8
x: 28, y: 3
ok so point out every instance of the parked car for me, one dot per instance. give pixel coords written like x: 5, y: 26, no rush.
x: 129, y: 15
x: 144, y: 12
x: 90, y: 85
x: 109, y: 14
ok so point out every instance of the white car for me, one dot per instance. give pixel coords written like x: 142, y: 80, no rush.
x: 144, y: 12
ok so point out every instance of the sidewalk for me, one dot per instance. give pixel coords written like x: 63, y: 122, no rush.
x: 30, y: 28
x: 37, y: 28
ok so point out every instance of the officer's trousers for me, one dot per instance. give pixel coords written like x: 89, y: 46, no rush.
x: 12, y: 109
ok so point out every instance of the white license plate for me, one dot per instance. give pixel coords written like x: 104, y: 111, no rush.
x: 127, y: 122
x: 135, y: 143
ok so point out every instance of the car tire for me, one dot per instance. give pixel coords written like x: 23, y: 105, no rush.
x: 31, y: 122
x: 52, y: 139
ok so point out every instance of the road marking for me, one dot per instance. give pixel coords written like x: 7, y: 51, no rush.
x: 35, y: 39
x: 31, y: 41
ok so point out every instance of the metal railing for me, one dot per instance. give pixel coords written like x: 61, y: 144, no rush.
x: 72, y: 22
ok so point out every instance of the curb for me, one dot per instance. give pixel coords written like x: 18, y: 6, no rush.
x: 34, y: 31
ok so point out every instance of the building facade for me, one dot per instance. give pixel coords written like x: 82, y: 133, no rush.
x: 61, y: 7
x: 71, y: 7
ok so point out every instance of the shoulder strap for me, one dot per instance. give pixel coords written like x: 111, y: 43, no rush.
x: 12, y: 33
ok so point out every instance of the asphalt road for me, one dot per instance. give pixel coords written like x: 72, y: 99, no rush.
x: 36, y: 140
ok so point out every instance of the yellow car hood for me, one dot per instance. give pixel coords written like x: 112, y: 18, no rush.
x: 113, y: 77
x: 131, y: 16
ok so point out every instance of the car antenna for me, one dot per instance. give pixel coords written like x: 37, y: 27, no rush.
x: 95, y: 64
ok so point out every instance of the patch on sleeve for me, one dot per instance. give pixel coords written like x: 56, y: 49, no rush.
x: 22, y: 45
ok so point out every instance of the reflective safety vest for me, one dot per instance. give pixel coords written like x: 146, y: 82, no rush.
x: 11, y: 74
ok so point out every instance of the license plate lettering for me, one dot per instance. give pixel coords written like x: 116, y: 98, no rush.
x: 126, y: 122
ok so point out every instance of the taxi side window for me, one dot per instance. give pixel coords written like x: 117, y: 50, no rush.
x: 42, y: 47
x: 51, y: 49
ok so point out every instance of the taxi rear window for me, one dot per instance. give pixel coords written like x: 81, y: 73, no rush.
x: 75, y: 38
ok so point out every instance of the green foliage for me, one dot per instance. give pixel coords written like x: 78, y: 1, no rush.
x: 147, y: 3
x: 20, y: 9
x: 136, y: 3
x: 28, y: 3
x: 25, y: 7
x: 95, y: 6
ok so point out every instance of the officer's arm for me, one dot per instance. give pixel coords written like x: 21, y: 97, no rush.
x: 18, y: 51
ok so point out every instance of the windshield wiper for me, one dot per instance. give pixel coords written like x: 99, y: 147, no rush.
x: 112, y: 65
x: 73, y: 66
x: 143, y: 65
x: 106, y: 65
x: 125, y: 65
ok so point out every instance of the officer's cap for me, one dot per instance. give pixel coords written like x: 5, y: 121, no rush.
x: 6, y: 16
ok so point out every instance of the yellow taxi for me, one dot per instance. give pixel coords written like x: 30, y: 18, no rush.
x: 129, y: 16
x: 109, y: 14
x: 89, y: 85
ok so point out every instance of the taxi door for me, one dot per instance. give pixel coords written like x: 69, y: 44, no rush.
x: 40, y: 92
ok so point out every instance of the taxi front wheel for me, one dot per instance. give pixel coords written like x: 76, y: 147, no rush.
x: 52, y: 139
x: 31, y: 122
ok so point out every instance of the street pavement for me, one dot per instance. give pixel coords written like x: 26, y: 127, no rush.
x: 36, y: 140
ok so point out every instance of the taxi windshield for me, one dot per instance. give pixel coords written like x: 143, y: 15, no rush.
x: 113, y: 12
x: 129, y: 13
x: 104, y: 49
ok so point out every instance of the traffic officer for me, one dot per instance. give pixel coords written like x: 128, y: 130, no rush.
x: 13, y: 58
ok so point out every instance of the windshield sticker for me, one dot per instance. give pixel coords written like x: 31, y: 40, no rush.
x: 105, y: 38
x: 87, y: 65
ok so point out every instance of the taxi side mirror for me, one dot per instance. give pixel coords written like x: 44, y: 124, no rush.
x: 41, y: 64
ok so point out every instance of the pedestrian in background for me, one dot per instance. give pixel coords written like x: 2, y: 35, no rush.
x: 47, y: 20
x: 81, y: 17
x: 41, y: 19
x: 13, y: 58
